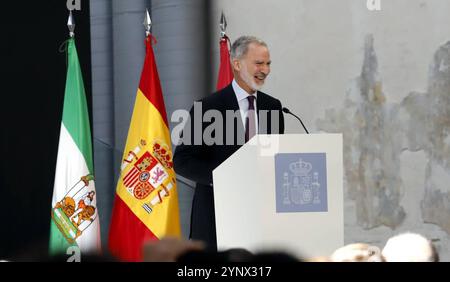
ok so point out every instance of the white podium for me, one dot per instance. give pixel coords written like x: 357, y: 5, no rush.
x: 282, y: 193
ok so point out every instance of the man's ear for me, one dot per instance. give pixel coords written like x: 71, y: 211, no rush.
x: 236, y: 65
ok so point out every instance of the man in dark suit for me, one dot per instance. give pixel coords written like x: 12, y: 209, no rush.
x: 221, y: 123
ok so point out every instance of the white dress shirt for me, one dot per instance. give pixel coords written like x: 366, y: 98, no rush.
x: 241, y: 96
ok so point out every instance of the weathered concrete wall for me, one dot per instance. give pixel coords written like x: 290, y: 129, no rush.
x: 380, y: 77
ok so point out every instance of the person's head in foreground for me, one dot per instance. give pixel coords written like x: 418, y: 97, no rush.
x: 410, y: 247
x: 357, y: 252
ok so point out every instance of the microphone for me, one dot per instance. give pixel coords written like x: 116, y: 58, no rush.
x: 287, y: 111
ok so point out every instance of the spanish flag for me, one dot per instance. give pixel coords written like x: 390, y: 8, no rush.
x: 146, y: 202
x: 225, y: 76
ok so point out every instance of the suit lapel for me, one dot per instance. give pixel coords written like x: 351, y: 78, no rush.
x: 262, y: 105
x: 231, y: 103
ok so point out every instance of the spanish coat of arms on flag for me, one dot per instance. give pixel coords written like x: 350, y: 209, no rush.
x: 146, y: 203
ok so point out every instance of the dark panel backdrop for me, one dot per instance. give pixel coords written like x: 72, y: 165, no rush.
x: 33, y: 74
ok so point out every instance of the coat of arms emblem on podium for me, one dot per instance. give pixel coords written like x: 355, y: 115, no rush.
x: 301, y: 182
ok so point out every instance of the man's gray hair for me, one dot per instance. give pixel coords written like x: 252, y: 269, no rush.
x: 240, y: 46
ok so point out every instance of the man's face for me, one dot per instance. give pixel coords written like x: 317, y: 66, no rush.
x: 253, y: 68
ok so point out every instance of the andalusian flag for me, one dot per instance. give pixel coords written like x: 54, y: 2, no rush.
x: 75, y: 219
x: 146, y: 203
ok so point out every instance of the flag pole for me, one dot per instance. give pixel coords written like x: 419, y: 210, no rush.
x: 147, y: 23
x: 223, y: 25
x: 71, y: 25
x: 225, y: 75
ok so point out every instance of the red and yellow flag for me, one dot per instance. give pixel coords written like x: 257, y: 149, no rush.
x: 225, y: 76
x: 146, y: 202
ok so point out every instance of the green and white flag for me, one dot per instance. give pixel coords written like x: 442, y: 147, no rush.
x: 74, y: 213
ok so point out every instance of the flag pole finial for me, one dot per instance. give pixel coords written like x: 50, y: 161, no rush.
x: 71, y: 24
x: 223, y: 25
x: 147, y: 23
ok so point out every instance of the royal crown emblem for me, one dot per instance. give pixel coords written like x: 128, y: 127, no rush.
x: 300, y: 168
x: 162, y: 153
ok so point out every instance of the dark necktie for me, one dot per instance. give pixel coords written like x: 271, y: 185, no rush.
x: 250, y: 126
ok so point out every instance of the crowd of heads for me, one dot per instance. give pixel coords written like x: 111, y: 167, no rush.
x: 404, y: 247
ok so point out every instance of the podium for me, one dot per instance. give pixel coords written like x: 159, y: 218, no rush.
x: 282, y: 193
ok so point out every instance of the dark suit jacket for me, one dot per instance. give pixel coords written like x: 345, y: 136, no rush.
x: 197, y: 161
